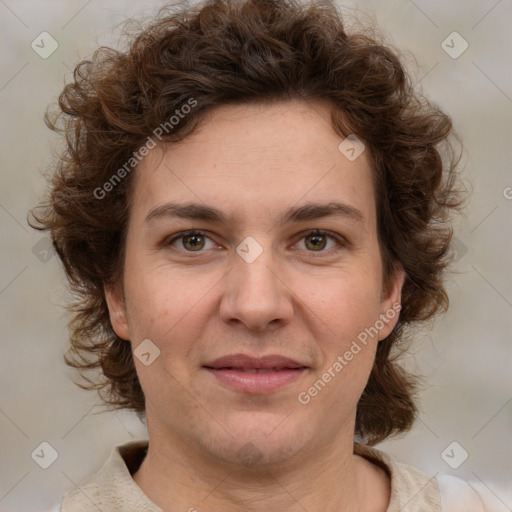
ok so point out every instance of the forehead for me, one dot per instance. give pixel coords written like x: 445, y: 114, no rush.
x: 256, y: 159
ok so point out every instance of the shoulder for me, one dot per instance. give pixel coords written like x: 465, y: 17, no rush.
x: 414, y: 491
x: 112, y: 488
x: 411, y: 490
x: 457, y: 495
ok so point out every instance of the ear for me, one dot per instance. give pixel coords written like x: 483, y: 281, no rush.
x: 391, y: 302
x: 117, y: 310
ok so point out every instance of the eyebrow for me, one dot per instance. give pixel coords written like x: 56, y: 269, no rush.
x: 308, y: 211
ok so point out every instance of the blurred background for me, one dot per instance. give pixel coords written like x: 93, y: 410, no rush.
x: 459, y: 55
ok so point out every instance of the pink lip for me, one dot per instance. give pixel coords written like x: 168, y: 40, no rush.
x: 247, y: 374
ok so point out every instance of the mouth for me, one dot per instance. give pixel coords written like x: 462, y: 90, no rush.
x: 254, y: 370
x: 255, y: 375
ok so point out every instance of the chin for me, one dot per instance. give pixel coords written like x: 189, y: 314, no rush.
x: 259, y: 440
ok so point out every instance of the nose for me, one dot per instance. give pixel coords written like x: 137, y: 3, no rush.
x: 256, y: 294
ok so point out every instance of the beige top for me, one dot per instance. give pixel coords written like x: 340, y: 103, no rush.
x: 112, y: 488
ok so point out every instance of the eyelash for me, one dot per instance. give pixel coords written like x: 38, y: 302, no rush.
x: 341, y: 241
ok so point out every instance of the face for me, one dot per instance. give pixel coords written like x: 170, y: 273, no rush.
x: 263, y: 304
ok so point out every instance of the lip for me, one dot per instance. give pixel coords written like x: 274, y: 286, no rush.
x: 255, y: 375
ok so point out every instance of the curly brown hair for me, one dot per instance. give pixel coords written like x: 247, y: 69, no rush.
x: 221, y: 52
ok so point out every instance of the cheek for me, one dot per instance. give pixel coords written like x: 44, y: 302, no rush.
x: 157, y: 297
x: 345, y: 314
x: 345, y: 305
x: 344, y: 311
x: 170, y: 310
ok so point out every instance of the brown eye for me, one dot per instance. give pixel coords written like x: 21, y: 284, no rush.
x: 319, y: 243
x: 316, y: 242
x: 194, y: 242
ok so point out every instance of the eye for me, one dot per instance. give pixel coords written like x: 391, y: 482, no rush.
x: 191, y: 241
x: 318, y: 240
x: 314, y: 241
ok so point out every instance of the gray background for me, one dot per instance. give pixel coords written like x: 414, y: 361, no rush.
x: 465, y: 359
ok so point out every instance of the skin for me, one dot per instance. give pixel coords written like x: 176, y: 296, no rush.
x: 253, y: 162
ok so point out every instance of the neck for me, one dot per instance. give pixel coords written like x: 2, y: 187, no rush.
x: 330, y: 478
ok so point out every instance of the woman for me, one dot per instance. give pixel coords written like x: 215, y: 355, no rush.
x: 253, y: 208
